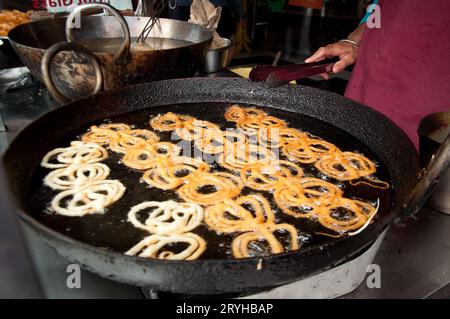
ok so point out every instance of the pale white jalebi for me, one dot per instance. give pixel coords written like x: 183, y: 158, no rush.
x: 156, y: 246
x: 166, y: 218
x: 77, y: 153
x: 93, y: 198
x: 76, y: 176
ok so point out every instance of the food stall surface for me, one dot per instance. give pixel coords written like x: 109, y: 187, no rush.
x: 413, y: 258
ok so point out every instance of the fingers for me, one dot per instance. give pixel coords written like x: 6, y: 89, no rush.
x: 347, y: 54
x: 319, y: 55
x: 345, y: 61
x: 326, y: 52
x: 339, y: 66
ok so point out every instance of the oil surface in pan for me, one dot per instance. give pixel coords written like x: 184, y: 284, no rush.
x: 111, y: 45
x: 111, y: 230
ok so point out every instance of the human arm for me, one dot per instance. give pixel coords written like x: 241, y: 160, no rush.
x: 346, y: 51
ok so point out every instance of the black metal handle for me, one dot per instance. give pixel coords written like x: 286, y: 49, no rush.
x: 437, y: 167
x: 123, y: 54
x: 69, y: 46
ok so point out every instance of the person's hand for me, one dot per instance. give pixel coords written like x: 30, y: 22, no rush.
x: 347, y: 53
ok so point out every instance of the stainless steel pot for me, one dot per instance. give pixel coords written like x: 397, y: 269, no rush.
x: 433, y: 130
x: 217, y: 59
x: 73, y: 75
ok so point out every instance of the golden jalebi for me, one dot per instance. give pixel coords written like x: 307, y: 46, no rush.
x: 252, y: 124
x: 252, y: 216
x: 194, y: 129
x: 317, y: 199
x: 99, y: 135
x: 235, y: 113
x: 265, y: 175
x: 344, y: 215
x: 238, y: 154
x: 139, y: 157
x: 345, y: 166
x: 126, y: 140
x: 142, y: 157
x: 307, y: 150
x: 169, y: 121
x: 208, y: 189
x: 169, y: 173
x: 166, y: 122
x: 218, y: 143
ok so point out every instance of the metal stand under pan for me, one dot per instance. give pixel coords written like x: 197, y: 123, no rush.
x: 335, y: 282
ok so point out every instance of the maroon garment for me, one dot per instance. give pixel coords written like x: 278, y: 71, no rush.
x: 403, y: 68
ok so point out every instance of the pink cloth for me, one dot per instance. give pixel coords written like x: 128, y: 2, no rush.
x: 403, y: 68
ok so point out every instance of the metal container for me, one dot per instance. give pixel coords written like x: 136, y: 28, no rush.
x: 433, y: 130
x: 73, y: 75
x: 217, y: 59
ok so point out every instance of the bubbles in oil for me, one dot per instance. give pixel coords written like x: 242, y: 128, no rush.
x: 323, y: 176
x: 257, y: 248
x: 341, y: 185
x: 304, y: 237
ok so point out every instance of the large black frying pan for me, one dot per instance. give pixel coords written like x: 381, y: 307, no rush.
x: 210, y: 276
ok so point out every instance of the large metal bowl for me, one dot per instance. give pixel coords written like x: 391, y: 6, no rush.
x: 217, y: 59
x: 74, y: 75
